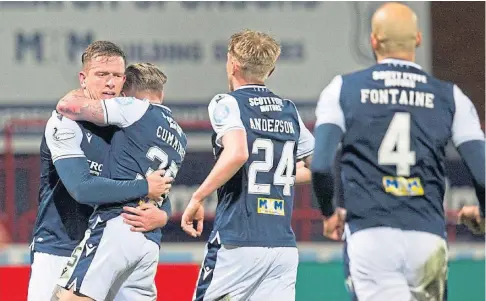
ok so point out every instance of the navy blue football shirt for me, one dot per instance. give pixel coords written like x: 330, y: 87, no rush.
x: 255, y: 205
x: 397, y: 121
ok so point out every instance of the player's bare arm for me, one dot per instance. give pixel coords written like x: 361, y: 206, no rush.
x: 76, y: 106
x: 119, y: 111
x: 232, y: 158
x: 234, y: 155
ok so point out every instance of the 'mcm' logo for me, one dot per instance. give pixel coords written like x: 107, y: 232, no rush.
x: 271, y: 206
x: 401, y: 186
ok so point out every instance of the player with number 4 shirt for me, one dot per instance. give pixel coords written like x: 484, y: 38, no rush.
x: 394, y: 122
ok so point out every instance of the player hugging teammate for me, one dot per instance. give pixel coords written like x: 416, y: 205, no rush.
x: 392, y: 120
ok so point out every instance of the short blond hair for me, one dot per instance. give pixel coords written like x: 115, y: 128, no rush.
x: 256, y: 52
x: 144, y: 77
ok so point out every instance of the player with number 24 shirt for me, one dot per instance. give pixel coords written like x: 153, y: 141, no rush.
x: 258, y: 138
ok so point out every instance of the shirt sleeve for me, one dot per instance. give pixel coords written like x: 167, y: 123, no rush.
x: 88, y: 189
x: 329, y: 107
x: 306, y: 142
x: 224, y: 114
x: 465, y: 125
x: 63, y: 137
x: 123, y: 111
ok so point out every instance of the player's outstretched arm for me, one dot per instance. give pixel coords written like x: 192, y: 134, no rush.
x: 118, y: 111
x: 232, y: 158
x: 468, y: 137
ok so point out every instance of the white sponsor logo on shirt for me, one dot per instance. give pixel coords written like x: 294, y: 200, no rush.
x: 63, y: 134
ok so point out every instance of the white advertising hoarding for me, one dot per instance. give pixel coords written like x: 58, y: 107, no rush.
x: 41, y: 43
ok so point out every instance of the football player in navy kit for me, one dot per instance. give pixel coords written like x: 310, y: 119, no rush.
x: 394, y: 122
x: 149, y: 139
x: 66, y: 197
x: 258, y: 138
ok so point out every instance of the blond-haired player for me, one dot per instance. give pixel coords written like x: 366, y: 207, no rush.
x: 71, y: 156
x: 258, y: 138
x: 113, y: 255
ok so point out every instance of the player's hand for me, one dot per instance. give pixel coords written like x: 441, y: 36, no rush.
x: 471, y: 218
x: 333, y: 227
x: 194, y: 213
x: 158, y: 185
x: 303, y: 175
x: 145, y: 217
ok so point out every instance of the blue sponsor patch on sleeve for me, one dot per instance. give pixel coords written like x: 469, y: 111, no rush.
x: 221, y: 113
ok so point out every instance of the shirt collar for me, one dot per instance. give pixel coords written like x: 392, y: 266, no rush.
x: 400, y: 62
x: 252, y: 86
x: 162, y: 106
